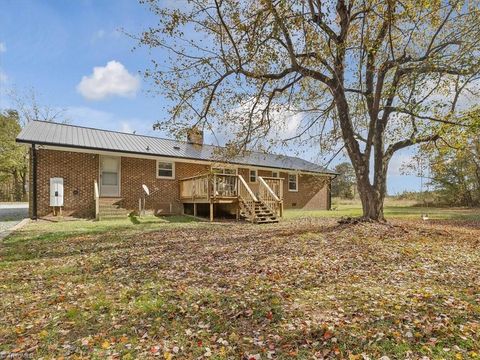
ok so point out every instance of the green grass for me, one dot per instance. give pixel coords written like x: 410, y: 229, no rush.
x: 393, y: 209
x: 49, y: 230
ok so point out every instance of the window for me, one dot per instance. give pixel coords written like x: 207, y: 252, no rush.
x: 227, y: 171
x: 292, y: 182
x: 275, y: 174
x: 165, y: 170
x: 109, y: 178
x: 253, y: 176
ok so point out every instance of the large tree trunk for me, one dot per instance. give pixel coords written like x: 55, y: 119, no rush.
x: 372, y: 199
x: 372, y: 196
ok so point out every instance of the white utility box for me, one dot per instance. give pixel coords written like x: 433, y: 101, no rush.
x: 56, y: 192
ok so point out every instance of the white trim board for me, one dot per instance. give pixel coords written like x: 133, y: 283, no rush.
x: 184, y: 160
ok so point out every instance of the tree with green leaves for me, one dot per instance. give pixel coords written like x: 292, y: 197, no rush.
x: 344, y: 184
x: 372, y: 77
x: 451, y: 166
x: 13, y: 157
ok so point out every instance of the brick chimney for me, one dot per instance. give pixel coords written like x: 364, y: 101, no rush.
x: 195, y: 136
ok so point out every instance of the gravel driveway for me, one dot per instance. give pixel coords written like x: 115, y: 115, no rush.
x: 11, y: 214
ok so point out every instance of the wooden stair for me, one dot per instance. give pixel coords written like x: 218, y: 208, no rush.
x: 262, y: 214
x: 110, y: 208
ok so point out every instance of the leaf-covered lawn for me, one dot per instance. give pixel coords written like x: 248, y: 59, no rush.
x: 304, y: 289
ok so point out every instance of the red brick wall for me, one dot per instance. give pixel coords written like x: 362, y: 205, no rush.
x: 312, y: 194
x: 312, y: 191
x: 135, y: 172
x: 78, y: 171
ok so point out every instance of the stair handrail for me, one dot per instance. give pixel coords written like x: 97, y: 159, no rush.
x: 250, y: 192
x: 247, y: 197
x: 96, y: 194
x: 270, y: 180
x: 268, y: 197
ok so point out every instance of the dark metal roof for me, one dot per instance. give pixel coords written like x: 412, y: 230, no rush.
x: 64, y: 135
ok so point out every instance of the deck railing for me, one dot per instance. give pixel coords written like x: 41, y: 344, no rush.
x: 224, y: 185
x: 209, y: 185
x: 212, y: 187
x: 268, y: 196
x: 195, y: 187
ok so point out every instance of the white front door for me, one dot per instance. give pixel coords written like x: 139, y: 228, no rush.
x: 109, y: 176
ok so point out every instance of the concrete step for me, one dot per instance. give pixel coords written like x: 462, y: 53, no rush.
x: 109, y: 201
x: 112, y: 217
x: 111, y: 208
x: 119, y: 213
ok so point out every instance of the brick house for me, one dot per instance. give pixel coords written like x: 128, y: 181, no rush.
x: 86, y: 172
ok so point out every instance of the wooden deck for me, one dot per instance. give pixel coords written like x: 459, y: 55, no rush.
x: 266, y: 205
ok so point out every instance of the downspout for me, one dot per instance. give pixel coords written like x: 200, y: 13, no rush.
x: 34, y: 182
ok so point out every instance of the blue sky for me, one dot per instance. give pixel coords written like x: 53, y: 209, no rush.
x: 54, y: 46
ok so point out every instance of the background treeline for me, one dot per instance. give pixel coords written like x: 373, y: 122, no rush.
x: 24, y: 107
x: 13, y: 159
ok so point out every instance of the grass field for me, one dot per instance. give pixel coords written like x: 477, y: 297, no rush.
x: 396, y: 209
x: 307, y: 288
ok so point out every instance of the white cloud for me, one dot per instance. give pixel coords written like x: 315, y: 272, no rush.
x: 110, y: 80
x: 99, y: 34
x: 86, y: 116
x: 398, y: 160
x: 3, y: 77
x: 284, y: 121
x: 3, y: 47
x: 126, y: 127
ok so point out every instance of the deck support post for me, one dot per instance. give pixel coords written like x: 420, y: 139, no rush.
x: 237, y: 212
x: 211, y: 211
x: 194, y: 209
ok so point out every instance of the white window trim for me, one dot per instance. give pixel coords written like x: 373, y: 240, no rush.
x: 288, y: 182
x: 250, y: 176
x: 276, y: 172
x: 165, y: 177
